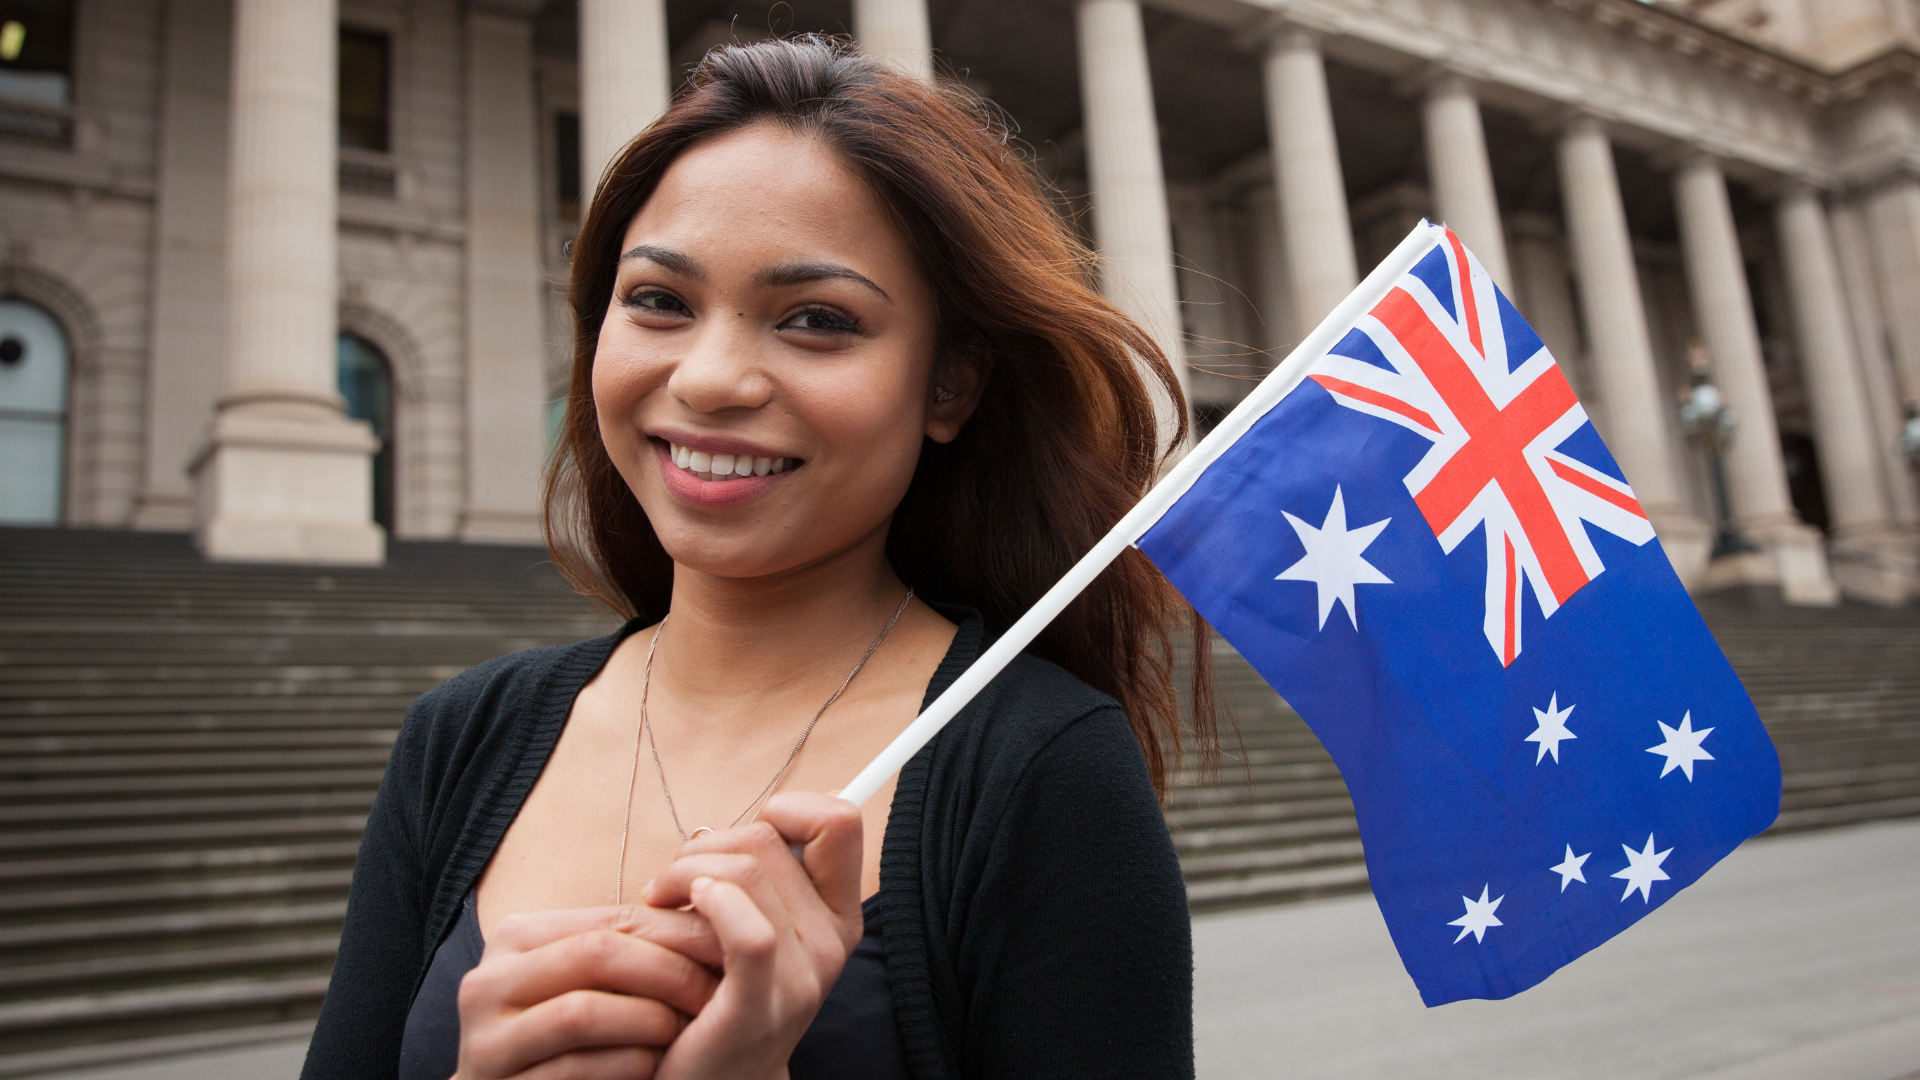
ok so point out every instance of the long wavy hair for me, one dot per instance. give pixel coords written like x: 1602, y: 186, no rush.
x: 1064, y: 440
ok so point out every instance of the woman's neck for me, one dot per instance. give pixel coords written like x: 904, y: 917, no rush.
x: 741, y: 646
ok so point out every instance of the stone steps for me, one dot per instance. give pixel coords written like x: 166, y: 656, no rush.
x: 187, y: 753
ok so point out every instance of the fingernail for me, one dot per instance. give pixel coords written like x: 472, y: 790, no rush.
x: 700, y: 883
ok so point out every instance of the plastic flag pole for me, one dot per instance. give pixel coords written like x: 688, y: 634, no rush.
x: 1142, y: 517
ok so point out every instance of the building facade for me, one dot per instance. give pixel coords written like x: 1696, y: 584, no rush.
x: 288, y: 273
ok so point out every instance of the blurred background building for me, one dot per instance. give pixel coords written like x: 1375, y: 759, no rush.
x: 287, y: 273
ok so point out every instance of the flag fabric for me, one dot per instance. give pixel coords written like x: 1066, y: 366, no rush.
x: 1425, y: 547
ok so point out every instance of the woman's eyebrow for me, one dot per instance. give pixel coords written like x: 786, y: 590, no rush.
x: 669, y: 258
x: 801, y: 273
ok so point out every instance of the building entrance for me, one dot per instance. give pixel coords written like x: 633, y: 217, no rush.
x: 366, y: 381
x: 34, y: 367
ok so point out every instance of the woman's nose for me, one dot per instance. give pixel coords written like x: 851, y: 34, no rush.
x: 722, y: 369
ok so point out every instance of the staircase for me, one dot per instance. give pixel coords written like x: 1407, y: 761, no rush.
x: 187, y: 752
x: 1839, y: 691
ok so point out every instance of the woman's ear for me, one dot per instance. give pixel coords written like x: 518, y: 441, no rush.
x: 958, y: 383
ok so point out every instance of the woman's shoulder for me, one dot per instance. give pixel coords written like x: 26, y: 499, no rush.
x: 1032, y: 715
x: 514, y: 675
x: 517, y: 686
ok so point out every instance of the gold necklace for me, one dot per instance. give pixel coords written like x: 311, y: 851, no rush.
x: 633, y: 776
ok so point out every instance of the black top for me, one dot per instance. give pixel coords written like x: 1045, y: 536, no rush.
x: 852, y: 1037
x: 1033, y: 910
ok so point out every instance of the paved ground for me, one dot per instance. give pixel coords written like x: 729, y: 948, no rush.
x: 1796, y: 959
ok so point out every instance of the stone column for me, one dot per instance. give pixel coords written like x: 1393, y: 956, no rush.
x: 1871, y: 561
x: 1130, y: 222
x: 1278, y: 333
x: 1306, y: 167
x: 189, y: 320
x: 896, y: 31
x: 1723, y: 308
x: 1543, y: 292
x: 1621, y: 351
x: 1462, y: 177
x: 285, y: 476
x: 506, y: 380
x: 625, y: 79
x: 1884, y: 393
x: 1893, y: 220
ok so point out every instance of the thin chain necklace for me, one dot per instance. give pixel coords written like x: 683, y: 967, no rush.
x: 644, y: 729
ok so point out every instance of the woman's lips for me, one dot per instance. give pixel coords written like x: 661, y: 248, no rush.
x: 703, y: 486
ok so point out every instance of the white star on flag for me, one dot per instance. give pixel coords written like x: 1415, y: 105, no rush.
x: 1569, y: 868
x: 1333, y: 561
x: 1479, y: 916
x: 1682, y: 747
x: 1552, y: 730
x: 1642, y: 870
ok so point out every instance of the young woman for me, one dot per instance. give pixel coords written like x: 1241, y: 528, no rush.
x: 844, y: 403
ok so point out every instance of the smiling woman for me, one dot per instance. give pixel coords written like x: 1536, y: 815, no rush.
x: 835, y: 353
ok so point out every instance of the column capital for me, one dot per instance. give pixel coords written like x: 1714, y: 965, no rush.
x: 1572, y: 120
x: 1438, y: 78
x: 1691, y: 158
x: 1792, y: 189
x: 1280, y: 31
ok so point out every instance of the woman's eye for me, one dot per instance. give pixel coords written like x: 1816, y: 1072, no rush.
x: 656, y: 300
x: 824, y: 320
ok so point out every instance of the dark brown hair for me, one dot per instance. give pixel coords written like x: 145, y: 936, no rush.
x: 1063, y: 442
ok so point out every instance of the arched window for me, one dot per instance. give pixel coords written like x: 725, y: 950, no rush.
x: 366, y: 381
x: 33, y: 414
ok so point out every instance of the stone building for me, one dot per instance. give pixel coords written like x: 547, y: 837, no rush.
x: 286, y: 273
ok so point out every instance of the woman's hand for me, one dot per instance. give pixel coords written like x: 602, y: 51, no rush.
x: 584, y: 994
x: 784, y: 931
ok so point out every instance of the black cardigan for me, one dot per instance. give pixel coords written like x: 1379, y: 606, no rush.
x: 1034, y: 913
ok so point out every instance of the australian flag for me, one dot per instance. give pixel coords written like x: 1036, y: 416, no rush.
x: 1428, y: 551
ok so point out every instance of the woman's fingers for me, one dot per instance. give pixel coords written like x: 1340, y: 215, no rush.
x: 747, y: 937
x: 820, y: 901
x: 607, y: 1063
x: 595, y: 960
x: 829, y: 829
x: 603, y: 1063
x: 682, y: 931
x: 574, y: 1021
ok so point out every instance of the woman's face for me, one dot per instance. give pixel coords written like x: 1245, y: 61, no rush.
x: 763, y: 376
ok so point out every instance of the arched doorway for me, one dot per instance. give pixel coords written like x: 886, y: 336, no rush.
x: 34, y: 366
x: 366, y: 381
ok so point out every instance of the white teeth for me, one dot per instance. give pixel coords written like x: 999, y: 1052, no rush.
x: 725, y: 466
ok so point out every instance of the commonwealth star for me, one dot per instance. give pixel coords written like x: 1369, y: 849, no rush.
x: 1682, y: 747
x: 1333, y: 561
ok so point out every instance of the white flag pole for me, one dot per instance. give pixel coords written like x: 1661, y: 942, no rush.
x: 1142, y: 517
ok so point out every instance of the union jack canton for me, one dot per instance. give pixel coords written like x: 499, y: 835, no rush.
x: 1431, y: 488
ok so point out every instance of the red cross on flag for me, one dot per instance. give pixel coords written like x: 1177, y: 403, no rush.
x: 1440, y: 356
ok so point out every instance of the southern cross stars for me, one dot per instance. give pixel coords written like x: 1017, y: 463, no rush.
x: 1569, y: 868
x: 1552, y: 730
x: 1333, y: 561
x: 1642, y: 870
x: 1479, y: 916
x: 1682, y: 747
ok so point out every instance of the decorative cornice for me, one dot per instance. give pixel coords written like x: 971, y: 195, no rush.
x: 1898, y: 66
x: 1659, y: 23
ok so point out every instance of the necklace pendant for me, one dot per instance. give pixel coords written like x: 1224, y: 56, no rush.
x: 695, y: 834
